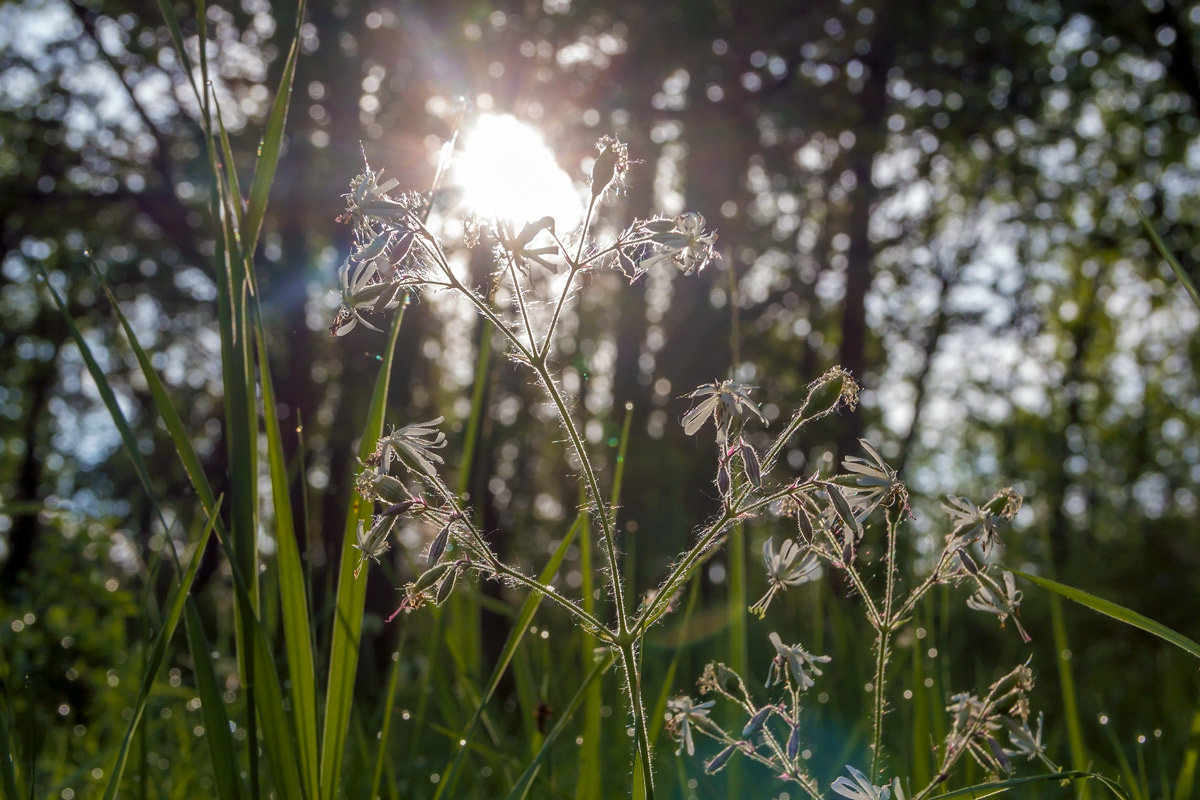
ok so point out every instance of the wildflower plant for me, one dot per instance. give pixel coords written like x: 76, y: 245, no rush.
x: 834, y: 515
x: 398, y: 254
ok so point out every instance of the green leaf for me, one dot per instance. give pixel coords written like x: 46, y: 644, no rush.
x: 293, y: 599
x: 271, y: 146
x: 212, y: 705
x: 999, y: 787
x: 1119, y: 613
x: 351, y: 596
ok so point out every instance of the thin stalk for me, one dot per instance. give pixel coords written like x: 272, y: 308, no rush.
x: 558, y: 307
x: 512, y: 270
x: 610, y: 548
x: 883, y: 644
x: 641, y: 735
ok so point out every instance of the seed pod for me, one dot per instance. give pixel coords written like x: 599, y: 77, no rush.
x: 403, y: 246
x: 824, y: 394
x: 439, y: 545
x: 756, y: 722
x: 659, y: 225
x: 793, y: 743
x: 720, y: 759
x: 750, y: 464
x: 387, y: 489
x: 397, y: 509
x: 430, y: 577
x: 804, y: 525
x: 446, y: 587
x: 604, y: 170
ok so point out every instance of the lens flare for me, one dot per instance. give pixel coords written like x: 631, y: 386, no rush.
x: 507, y: 172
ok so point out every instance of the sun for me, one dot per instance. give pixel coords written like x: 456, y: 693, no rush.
x: 507, y: 172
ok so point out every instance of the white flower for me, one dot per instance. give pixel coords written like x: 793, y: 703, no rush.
x: 723, y: 401
x: 416, y: 442
x: 1001, y: 601
x: 682, y: 713
x: 801, y: 663
x: 857, y: 787
x: 684, y: 244
x: 783, y: 570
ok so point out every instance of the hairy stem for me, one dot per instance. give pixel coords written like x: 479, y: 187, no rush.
x: 641, y: 735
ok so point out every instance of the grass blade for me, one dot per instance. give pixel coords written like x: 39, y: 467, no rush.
x: 1117, y: 612
x: 590, y: 785
x: 523, y: 784
x: 1167, y: 255
x: 212, y: 706
x: 520, y: 626
x: 351, y: 597
x: 293, y: 600
x: 1185, y: 784
x: 999, y: 787
x: 658, y: 715
x: 271, y: 146
x: 386, y: 724
x: 158, y: 652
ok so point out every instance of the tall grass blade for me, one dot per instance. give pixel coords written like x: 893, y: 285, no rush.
x: 1000, y: 787
x: 351, y: 596
x: 8, y: 757
x: 1186, y: 783
x: 1117, y: 612
x: 1167, y: 255
x: 216, y: 722
x: 386, y: 724
x: 158, y: 652
x: 520, y: 627
x: 293, y: 599
x: 590, y: 785
x: 658, y: 713
x: 525, y: 782
x: 271, y: 146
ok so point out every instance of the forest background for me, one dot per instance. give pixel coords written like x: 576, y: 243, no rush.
x: 945, y: 203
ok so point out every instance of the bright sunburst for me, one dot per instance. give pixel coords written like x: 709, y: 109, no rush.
x: 507, y: 172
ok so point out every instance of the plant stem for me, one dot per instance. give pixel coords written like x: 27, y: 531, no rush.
x: 633, y: 686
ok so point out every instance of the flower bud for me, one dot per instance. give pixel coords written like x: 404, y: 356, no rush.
x: 439, y: 544
x: 750, y: 464
x: 430, y: 577
x: 756, y: 722
x: 793, y: 743
x: 446, y: 587
x: 720, y: 759
x: 825, y: 393
x: 609, y: 166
